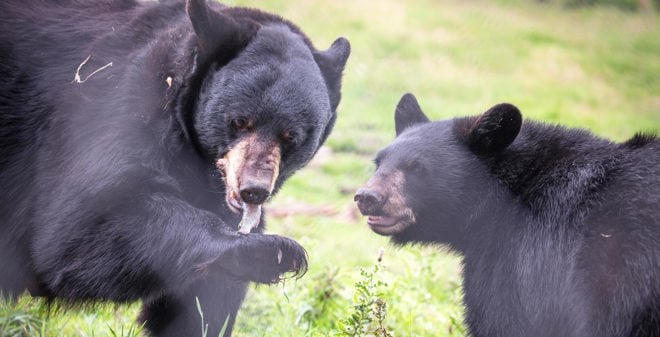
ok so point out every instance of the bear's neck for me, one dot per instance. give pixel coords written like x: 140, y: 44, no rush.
x: 489, y: 213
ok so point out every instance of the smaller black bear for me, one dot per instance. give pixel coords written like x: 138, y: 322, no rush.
x: 559, y: 229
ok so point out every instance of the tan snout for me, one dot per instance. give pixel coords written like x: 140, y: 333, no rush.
x: 250, y: 170
x: 382, y: 201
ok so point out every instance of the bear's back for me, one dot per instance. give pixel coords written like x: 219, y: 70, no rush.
x: 633, y: 193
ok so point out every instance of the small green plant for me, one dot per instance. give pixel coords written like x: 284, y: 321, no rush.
x: 320, y: 299
x: 369, y: 309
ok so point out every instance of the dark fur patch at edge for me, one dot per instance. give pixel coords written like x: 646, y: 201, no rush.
x: 639, y: 140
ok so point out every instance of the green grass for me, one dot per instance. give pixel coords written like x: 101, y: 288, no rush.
x: 32, y: 317
x: 596, y: 68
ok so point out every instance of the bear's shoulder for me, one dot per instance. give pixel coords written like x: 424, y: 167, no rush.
x: 558, y: 171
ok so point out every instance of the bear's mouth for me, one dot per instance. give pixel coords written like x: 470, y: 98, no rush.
x: 388, y: 224
x: 235, y: 205
x: 381, y: 221
x: 384, y: 224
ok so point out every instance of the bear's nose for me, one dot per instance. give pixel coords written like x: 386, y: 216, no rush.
x: 255, y: 195
x: 369, y: 201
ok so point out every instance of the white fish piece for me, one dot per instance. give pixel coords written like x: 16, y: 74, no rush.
x: 251, y: 217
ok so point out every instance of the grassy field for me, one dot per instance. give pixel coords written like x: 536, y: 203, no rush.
x: 597, y: 68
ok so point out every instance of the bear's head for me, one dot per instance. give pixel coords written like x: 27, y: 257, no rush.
x: 430, y: 178
x: 266, y: 98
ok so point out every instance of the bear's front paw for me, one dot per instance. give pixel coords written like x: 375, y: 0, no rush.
x: 264, y: 258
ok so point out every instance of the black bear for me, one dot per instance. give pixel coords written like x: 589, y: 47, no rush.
x: 132, y: 136
x: 559, y: 230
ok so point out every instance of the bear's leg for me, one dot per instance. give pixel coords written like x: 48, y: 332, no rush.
x: 219, y: 297
x: 15, y: 276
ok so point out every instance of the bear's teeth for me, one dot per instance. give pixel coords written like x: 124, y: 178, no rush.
x: 251, y: 217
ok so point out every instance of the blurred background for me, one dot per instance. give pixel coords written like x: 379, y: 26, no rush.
x: 593, y: 64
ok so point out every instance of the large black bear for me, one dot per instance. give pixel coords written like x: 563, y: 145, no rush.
x: 133, y: 134
x: 559, y: 230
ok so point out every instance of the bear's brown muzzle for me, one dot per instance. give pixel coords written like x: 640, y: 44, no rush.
x: 250, y: 169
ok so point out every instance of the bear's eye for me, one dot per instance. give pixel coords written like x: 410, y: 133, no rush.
x: 240, y: 124
x: 413, y: 166
x: 380, y: 156
x: 289, y: 137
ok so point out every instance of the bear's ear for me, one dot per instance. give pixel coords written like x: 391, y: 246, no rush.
x: 495, y: 129
x: 215, y: 30
x: 408, y: 113
x: 332, y: 62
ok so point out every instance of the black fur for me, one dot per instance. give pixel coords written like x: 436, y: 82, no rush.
x: 108, y: 179
x: 559, y: 229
